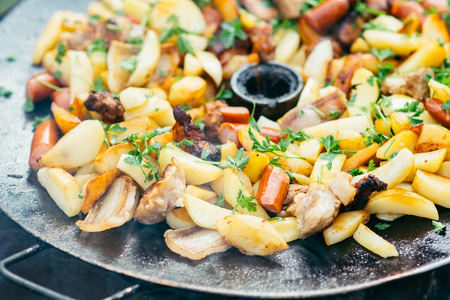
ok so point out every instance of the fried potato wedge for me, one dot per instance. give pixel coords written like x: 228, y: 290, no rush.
x: 202, y: 213
x: 179, y: 218
x: 434, y: 187
x: 136, y: 172
x: 375, y: 243
x: 49, y: 37
x: 201, y: 193
x: 65, y: 120
x: 96, y: 188
x: 195, y: 242
x: 400, y: 201
x: 62, y: 188
x: 287, y: 228
x: 114, y: 209
x: 344, y: 226
x: 197, y: 172
x: 108, y: 158
x: 251, y: 235
x: 69, y: 153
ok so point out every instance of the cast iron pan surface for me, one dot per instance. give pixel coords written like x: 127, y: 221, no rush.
x: 309, y: 268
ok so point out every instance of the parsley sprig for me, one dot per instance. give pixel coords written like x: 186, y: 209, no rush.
x: 439, y: 228
x: 244, y: 202
x: 413, y: 107
x: 112, y: 130
x: 266, y: 146
x: 231, y: 31
x: 298, y: 136
x: 309, y: 4
x: 365, y: 10
x: 182, y: 43
x: 382, y: 54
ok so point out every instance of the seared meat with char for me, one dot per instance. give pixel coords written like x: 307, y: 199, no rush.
x: 162, y: 196
x: 413, y: 84
x: 364, y: 188
x: 184, y: 129
x: 213, y: 119
x: 261, y: 37
x: 316, y: 209
x: 105, y: 104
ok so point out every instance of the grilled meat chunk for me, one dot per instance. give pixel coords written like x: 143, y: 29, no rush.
x: 105, y: 104
x: 413, y: 84
x: 261, y: 37
x: 162, y: 196
x: 316, y: 209
x: 259, y: 9
x: 184, y: 129
x: 364, y: 188
x: 213, y: 119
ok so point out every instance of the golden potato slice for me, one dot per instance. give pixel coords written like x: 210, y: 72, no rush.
x: 400, y: 201
x: 201, y: 193
x: 108, y: 158
x: 344, y: 226
x: 434, y: 187
x: 287, y: 228
x: 375, y: 243
x: 179, y: 218
x: 62, y: 188
x: 202, y: 213
x: 96, y: 188
x: 48, y: 37
x: 251, y: 235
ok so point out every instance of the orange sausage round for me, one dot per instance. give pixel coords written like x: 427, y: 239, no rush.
x: 235, y: 114
x: 403, y: 9
x: 273, y: 188
x: 36, y: 91
x: 228, y: 132
x: 434, y: 107
x: 326, y: 14
x: 45, y: 137
x: 62, y: 97
x: 274, y: 135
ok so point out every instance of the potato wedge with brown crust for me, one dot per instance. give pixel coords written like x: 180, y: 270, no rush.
x: 251, y: 235
x: 96, y: 188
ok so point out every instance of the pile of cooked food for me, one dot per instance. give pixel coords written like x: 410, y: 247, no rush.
x: 139, y: 91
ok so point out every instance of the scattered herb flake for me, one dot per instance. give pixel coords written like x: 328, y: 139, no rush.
x: 28, y: 106
x: 382, y: 226
x: 39, y: 120
x: 439, y: 228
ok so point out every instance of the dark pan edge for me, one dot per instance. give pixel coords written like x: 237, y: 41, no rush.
x: 228, y: 292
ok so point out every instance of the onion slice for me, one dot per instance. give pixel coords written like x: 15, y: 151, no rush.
x: 195, y: 242
x: 114, y: 209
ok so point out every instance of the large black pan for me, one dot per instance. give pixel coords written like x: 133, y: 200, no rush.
x: 308, y: 268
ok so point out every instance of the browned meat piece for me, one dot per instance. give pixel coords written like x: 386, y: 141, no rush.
x: 239, y: 47
x: 344, y: 78
x: 162, y: 196
x: 261, y: 37
x: 350, y: 29
x: 378, y: 4
x: 213, y: 119
x: 309, y: 115
x: 184, y: 129
x: 212, y: 16
x: 102, y: 31
x: 316, y: 209
x: 77, y: 40
x: 413, y: 84
x: 364, y: 188
x: 289, y: 9
x: 293, y: 190
x: 105, y: 104
x: 259, y: 9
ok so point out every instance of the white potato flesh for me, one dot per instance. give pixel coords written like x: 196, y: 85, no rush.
x: 434, y: 187
x: 394, y: 171
x: 114, y: 5
x: 232, y: 186
x: 202, y: 213
x: 316, y: 64
x: 136, y: 172
x: 211, y: 65
x: 287, y: 47
x: 117, y: 53
x: 179, y: 218
x: 133, y: 97
x: 147, y: 60
x: 287, y: 228
x: 62, y: 188
x: 198, y: 43
x: 267, y: 123
x: 157, y: 108
x: 344, y: 226
x: 192, y: 66
x: 81, y: 73
x: 310, y: 92
x: 251, y: 235
x: 69, y: 152
x: 399, y: 43
x: 197, y: 171
x: 399, y: 201
x: 375, y: 243
x: 365, y: 93
x: 48, y: 38
x: 189, y: 16
x: 201, y: 193
x: 357, y: 123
